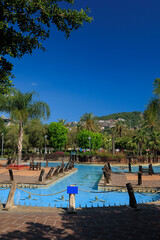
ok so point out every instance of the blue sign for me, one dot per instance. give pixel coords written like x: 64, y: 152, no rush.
x: 72, y: 190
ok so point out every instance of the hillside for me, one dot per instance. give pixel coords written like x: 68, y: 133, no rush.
x: 132, y: 118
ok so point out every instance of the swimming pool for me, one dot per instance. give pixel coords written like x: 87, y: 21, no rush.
x: 86, y: 178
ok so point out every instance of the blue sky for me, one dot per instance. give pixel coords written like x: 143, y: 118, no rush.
x: 105, y: 67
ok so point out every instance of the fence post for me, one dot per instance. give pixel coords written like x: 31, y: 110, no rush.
x: 129, y: 165
x: 140, y: 168
x: 139, y: 178
x: 72, y: 190
x: 150, y: 169
x: 10, y: 200
x: 132, y: 199
x: 11, y: 175
x: 41, y: 176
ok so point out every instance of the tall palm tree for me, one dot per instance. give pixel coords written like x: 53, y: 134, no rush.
x: 151, y: 114
x: 23, y: 107
x: 89, y: 121
x: 140, y: 138
x: 119, y: 128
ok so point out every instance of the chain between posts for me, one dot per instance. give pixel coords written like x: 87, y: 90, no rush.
x: 78, y: 189
x: 144, y: 194
x: 99, y: 192
x: 4, y: 188
x: 44, y: 195
x: 117, y: 191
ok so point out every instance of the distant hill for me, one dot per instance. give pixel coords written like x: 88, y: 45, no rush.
x: 130, y: 117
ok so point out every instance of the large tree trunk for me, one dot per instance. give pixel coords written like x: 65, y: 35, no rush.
x: 20, y: 139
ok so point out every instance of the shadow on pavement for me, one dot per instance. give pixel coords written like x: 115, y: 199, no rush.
x: 95, y: 223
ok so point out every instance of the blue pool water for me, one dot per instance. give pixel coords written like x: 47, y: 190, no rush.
x: 86, y: 178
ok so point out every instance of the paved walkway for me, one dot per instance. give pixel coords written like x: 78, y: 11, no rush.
x: 95, y: 223
x: 120, y: 179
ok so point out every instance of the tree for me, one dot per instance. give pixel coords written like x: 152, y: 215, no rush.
x: 22, y: 107
x: 11, y: 139
x: 119, y: 128
x: 89, y: 121
x: 151, y: 114
x: 72, y: 137
x: 95, y: 141
x: 36, y: 132
x: 57, y: 135
x: 140, y: 139
x: 63, y: 121
x: 107, y: 141
x: 153, y: 142
x: 25, y: 24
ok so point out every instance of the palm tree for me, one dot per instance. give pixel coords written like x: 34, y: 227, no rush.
x: 119, y: 128
x: 89, y: 121
x: 63, y: 121
x: 140, y: 139
x: 151, y: 114
x: 153, y: 142
x: 22, y: 107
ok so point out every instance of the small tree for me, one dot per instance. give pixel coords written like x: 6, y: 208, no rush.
x: 36, y: 132
x: 95, y: 141
x: 57, y: 135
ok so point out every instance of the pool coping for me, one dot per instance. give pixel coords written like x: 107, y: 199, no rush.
x: 39, y: 184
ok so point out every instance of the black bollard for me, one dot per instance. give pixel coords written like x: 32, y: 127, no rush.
x: 139, y: 178
x: 150, y: 169
x: 140, y: 168
x: 132, y: 199
x: 11, y: 175
x: 129, y: 165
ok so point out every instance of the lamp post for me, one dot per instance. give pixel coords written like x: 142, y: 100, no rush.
x: 89, y: 138
x: 2, y: 144
x: 45, y: 137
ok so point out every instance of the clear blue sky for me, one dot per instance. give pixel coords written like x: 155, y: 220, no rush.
x: 105, y: 67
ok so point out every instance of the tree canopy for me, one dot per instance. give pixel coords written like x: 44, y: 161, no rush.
x: 95, y: 141
x: 57, y: 135
x: 22, y: 107
x: 25, y: 24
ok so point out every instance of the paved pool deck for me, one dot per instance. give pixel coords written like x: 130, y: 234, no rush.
x: 30, y: 177
x: 113, y: 223
x: 120, y: 179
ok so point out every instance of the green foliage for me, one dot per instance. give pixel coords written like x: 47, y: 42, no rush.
x: 72, y: 138
x: 11, y: 138
x: 153, y: 141
x: 83, y: 141
x: 36, y: 132
x: 25, y: 24
x: 119, y: 128
x: 135, y: 117
x: 57, y: 135
x: 156, y: 85
x: 107, y: 141
x: 22, y: 106
x: 2, y: 126
x: 88, y: 121
x: 125, y: 143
